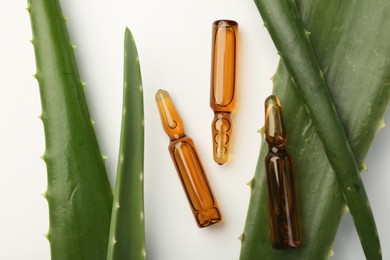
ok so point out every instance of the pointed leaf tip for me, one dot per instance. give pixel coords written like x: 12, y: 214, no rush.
x: 128, y: 33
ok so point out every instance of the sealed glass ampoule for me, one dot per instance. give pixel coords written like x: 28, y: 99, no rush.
x: 282, y: 208
x: 223, y: 86
x: 187, y: 163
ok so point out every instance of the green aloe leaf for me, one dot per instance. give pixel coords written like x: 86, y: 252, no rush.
x: 78, y: 193
x: 290, y: 37
x: 127, y: 239
x: 351, y: 42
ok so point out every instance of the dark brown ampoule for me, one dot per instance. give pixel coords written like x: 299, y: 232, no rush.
x: 188, y: 165
x: 280, y: 184
x: 223, y: 84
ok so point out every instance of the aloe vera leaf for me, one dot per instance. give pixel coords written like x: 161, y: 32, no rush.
x: 127, y: 239
x: 290, y: 37
x: 355, y: 56
x: 78, y: 193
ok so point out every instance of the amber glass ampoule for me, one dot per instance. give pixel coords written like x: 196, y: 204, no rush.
x: 223, y: 83
x: 281, y: 195
x: 188, y: 165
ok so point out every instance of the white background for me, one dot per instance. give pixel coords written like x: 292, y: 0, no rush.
x: 174, y: 40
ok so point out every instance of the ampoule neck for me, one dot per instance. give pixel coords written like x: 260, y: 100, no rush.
x: 274, y: 149
x: 177, y: 137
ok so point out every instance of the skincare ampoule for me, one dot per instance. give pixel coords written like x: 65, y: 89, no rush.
x: 223, y: 86
x: 188, y: 165
x: 280, y: 184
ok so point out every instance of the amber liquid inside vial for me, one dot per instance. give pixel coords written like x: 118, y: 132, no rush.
x: 280, y: 184
x: 223, y: 83
x: 188, y: 165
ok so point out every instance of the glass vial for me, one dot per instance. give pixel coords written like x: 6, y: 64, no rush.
x: 187, y: 163
x: 280, y: 184
x: 223, y: 85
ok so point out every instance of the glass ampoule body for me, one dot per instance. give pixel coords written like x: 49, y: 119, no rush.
x: 283, y: 217
x: 188, y: 165
x: 223, y: 86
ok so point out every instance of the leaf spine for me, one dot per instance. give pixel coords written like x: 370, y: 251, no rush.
x: 273, y: 79
x: 241, y: 237
x: 83, y: 84
x: 251, y: 183
x: 44, y: 195
x: 43, y: 157
x: 307, y: 33
x: 364, y: 167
